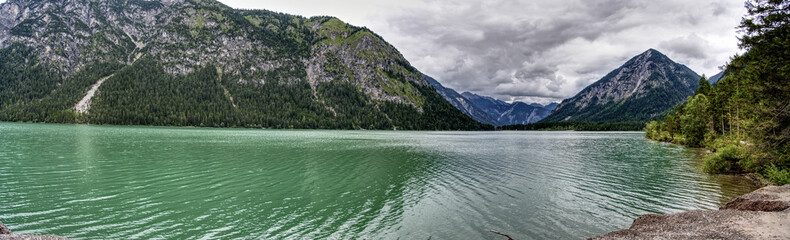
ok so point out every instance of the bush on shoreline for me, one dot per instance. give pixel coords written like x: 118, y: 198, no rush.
x: 724, y: 161
x: 776, y: 175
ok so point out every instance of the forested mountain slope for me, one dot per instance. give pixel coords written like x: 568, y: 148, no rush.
x: 201, y: 63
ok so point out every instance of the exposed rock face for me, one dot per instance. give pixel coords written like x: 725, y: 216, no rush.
x: 185, y: 35
x: 762, y: 214
x: 644, y: 87
x: 264, y: 61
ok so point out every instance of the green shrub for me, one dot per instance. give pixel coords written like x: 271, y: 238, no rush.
x: 777, y: 175
x: 724, y: 161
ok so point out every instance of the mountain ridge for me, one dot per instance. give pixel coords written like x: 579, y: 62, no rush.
x: 643, y: 88
x: 462, y: 103
x: 201, y: 63
x: 493, y: 111
x: 508, y: 113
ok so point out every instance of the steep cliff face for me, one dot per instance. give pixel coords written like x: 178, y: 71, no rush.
x: 194, y: 59
x: 644, y: 87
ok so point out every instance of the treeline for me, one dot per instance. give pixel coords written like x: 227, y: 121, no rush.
x: 745, y: 119
x: 144, y: 94
x: 578, y: 126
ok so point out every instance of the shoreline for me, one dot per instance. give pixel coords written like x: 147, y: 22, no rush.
x: 761, y: 214
x: 755, y: 178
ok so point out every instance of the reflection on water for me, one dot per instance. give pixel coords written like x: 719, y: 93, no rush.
x: 106, y: 182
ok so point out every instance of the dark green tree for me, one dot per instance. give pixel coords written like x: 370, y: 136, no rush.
x: 704, y: 86
x: 694, y: 122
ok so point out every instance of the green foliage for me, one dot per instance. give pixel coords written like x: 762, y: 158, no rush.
x: 144, y: 93
x: 777, y: 175
x: 693, y: 123
x: 25, y: 28
x: 704, y: 87
x: 724, y: 161
x: 655, y: 130
x: 749, y: 107
x: 46, y: 98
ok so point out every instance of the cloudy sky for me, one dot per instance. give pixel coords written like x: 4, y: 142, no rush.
x: 535, y: 50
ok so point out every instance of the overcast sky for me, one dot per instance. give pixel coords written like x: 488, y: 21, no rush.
x: 535, y: 50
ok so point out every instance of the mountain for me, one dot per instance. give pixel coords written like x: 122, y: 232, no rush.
x: 201, y: 63
x: 521, y: 113
x: 492, y: 111
x: 551, y: 106
x: 461, y: 103
x: 507, y: 113
x: 715, y: 78
x: 643, y: 88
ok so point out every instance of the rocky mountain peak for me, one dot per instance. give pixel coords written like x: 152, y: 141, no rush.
x: 649, y: 75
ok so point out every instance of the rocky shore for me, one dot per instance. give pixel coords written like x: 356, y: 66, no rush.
x: 762, y: 214
x: 6, y: 233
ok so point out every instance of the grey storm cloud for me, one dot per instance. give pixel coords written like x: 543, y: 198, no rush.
x: 691, y: 46
x: 552, y: 49
x: 535, y: 50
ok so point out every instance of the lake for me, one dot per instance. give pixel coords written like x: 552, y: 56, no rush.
x: 117, y: 182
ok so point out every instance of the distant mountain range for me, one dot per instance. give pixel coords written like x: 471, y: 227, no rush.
x: 461, y: 103
x: 493, y: 111
x: 508, y: 113
x: 643, y: 88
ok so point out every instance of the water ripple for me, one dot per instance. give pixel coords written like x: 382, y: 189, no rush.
x: 105, y: 182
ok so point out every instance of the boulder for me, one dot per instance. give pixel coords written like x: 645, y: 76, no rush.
x: 767, y: 199
x: 762, y: 214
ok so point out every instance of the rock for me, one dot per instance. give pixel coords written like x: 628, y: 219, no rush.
x: 762, y: 214
x: 4, y: 229
x: 767, y: 199
x: 30, y: 237
x: 6, y: 234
